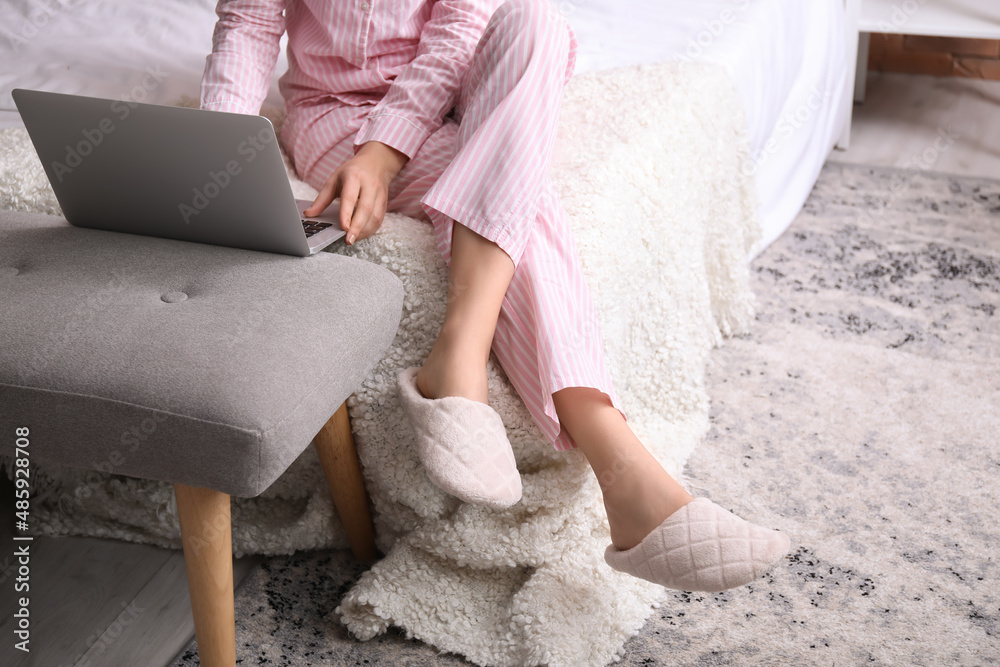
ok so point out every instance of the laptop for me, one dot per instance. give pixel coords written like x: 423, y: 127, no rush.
x: 172, y: 172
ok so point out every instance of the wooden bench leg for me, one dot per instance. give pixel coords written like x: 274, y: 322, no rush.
x: 335, y: 446
x: 206, y: 532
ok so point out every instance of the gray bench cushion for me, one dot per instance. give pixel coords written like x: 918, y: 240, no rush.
x: 176, y: 361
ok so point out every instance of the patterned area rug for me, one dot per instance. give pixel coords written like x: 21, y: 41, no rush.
x: 860, y: 416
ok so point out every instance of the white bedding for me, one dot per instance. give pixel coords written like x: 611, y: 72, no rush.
x: 786, y: 57
x: 107, y: 48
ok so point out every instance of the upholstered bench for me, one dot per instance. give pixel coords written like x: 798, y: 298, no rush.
x: 210, y: 368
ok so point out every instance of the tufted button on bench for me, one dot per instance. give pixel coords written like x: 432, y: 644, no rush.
x: 210, y: 368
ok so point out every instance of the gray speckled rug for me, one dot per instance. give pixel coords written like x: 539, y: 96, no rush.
x: 860, y: 416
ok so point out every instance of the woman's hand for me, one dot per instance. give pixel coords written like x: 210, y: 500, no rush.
x: 362, y: 183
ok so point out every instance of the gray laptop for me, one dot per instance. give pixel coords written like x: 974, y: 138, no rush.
x: 172, y: 172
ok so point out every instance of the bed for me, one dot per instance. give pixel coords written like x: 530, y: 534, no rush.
x: 787, y: 59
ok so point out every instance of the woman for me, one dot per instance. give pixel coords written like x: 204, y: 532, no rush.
x: 446, y: 110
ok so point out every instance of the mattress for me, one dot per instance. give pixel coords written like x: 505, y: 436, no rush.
x: 786, y: 57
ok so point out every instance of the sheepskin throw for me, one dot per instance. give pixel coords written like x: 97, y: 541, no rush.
x: 648, y: 166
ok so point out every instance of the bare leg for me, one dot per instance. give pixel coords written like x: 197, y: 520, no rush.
x: 638, y: 493
x: 480, y: 274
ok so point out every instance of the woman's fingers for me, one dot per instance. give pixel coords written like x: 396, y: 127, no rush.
x: 363, y: 187
x: 325, y: 196
x: 349, y: 193
x: 362, y: 183
x: 377, y: 215
x: 364, y: 209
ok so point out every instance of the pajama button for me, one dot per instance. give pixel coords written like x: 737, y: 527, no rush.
x: 365, y: 6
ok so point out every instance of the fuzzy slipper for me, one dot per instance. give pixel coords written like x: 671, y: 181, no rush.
x: 463, y: 445
x: 702, y: 547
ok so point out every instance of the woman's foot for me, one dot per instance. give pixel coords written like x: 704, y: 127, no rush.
x: 462, y: 445
x: 661, y: 534
x: 658, y: 531
x: 455, y: 367
x: 638, y: 493
x: 639, y: 498
x: 479, y: 275
x: 702, y: 547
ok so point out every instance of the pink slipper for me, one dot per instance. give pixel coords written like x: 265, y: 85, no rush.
x: 463, y: 445
x: 702, y: 547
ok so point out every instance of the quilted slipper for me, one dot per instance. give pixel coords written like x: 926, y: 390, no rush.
x: 702, y: 547
x: 462, y: 444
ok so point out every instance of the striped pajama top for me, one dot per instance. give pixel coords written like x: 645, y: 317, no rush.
x: 411, y: 55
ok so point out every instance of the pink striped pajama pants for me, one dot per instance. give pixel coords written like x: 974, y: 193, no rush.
x: 487, y: 168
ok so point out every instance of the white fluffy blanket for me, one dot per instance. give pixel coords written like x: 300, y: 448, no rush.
x: 648, y: 169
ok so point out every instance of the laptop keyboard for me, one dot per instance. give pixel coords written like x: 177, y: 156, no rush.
x: 311, y: 227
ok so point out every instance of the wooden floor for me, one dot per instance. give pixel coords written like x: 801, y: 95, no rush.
x: 945, y: 124
x: 104, y: 602
x: 97, y: 602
